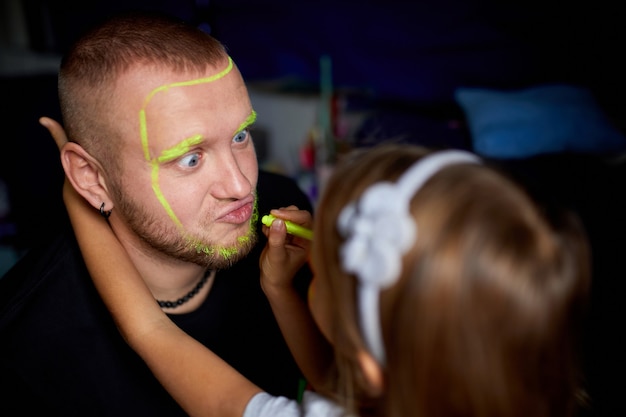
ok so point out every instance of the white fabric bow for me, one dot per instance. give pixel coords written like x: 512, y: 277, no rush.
x: 379, y: 230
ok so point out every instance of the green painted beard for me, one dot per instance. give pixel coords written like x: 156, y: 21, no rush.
x: 223, y: 256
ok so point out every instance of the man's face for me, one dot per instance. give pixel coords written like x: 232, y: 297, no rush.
x: 189, y: 167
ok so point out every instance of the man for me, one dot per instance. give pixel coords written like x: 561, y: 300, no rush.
x: 158, y: 119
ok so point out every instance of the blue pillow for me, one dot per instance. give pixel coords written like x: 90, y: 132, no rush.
x: 537, y: 120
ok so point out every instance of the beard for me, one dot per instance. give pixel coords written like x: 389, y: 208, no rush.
x: 166, y: 239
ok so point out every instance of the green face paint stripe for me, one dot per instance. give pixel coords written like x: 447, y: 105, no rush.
x: 255, y: 212
x: 157, y: 191
x: 179, y: 150
x: 212, y: 78
x: 142, y: 113
x: 206, y: 79
x: 175, y: 151
x: 249, y: 120
x: 154, y: 92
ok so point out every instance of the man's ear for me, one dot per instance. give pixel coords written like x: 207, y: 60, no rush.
x: 85, y: 174
x: 372, y: 372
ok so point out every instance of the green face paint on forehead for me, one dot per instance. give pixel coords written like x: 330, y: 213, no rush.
x: 143, y: 128
x: 185, y: 145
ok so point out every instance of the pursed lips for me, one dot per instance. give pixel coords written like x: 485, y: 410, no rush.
x: 238, y: 211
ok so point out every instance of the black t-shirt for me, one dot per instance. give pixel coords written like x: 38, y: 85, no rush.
x: 61, y: 354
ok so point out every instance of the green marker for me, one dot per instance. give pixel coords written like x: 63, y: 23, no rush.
x: 292, y: 228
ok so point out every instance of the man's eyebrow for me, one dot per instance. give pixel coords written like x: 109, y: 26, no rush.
x: 179, y: 149
x: 249, y: 120
x: 183, y: 147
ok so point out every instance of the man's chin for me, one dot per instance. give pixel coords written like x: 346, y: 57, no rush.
x: 221, y: 256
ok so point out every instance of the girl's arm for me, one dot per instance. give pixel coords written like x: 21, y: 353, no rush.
x: 201, y: 382
x: 280, y: 260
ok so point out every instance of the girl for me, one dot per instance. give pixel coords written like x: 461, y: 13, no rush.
x: 443, y: 289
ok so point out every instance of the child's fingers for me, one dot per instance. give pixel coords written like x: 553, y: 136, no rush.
x: 55, y: 129
x: 277, y: 236
x: 293, y: 214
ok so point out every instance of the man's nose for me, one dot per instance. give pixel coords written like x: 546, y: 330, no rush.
x: 231, y: 182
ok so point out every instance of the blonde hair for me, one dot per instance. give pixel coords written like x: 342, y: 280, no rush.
x: 485, y: 319
x: 91, y: 68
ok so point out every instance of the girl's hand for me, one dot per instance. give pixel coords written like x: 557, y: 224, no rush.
x: 284, y: 254
x: 72, y: 200
x: 55, y: 129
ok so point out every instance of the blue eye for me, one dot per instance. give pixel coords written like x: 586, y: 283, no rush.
x: 241, y: 136
x: 190, y: 161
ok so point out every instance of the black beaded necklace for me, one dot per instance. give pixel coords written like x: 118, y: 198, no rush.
x: 190, y: 294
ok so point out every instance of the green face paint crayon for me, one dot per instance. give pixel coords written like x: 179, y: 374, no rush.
x: 292, y: 228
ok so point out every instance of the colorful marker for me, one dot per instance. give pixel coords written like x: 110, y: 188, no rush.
x: 292, y: 228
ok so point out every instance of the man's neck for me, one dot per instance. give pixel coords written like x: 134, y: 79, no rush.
x: 167, y: 278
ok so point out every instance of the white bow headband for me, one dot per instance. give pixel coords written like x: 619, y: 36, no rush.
x: 379, y: 230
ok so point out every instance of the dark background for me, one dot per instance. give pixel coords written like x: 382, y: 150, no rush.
x: 418, y: 51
